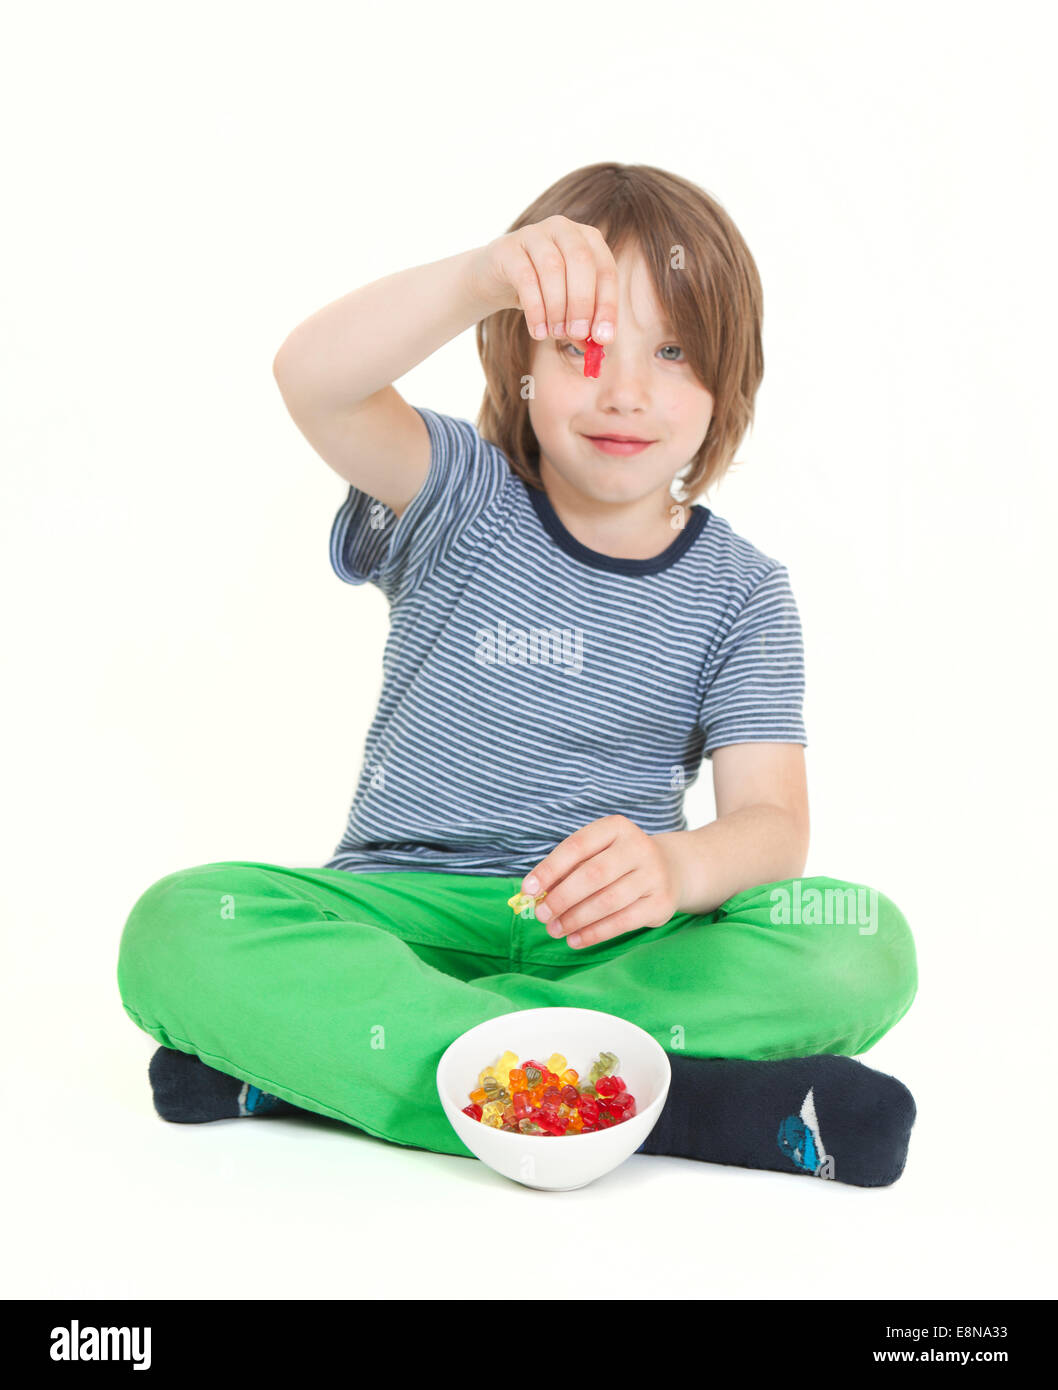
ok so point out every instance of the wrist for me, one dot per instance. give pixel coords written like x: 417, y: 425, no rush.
x: 678, y: 849
x: 484, y: 294
x: 754, y: 845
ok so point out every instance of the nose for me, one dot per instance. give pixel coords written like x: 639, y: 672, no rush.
x: 622, y: 381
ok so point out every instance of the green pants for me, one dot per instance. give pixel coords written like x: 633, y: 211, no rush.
x: 339, y: 992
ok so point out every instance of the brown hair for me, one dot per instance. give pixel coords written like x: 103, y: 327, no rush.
x: 713, y: 298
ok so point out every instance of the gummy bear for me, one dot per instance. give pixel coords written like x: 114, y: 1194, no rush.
x: 605, y: 1063
x: 593, y: 355
x: 520, y: 901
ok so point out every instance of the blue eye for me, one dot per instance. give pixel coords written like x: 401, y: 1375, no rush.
x: 666, y: 348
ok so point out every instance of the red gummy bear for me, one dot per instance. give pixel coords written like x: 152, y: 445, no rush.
x: 593, y: 355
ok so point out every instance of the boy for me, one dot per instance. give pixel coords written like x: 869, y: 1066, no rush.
x: 569, y: 637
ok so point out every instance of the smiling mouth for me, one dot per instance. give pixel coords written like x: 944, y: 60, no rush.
x: 618, y: 446
x: 622, y: 438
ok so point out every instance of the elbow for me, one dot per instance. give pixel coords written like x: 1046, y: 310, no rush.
x: 284, y: 360
x: 278, y: 363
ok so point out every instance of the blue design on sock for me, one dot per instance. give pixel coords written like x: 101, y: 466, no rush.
x: 796, y: 1142
x: 802, y: 1143
x: 259, y: 1102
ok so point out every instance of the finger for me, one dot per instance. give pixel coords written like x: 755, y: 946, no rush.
x: 607, y: 287
x: 592, y: 875
x: 579, y: 257
x: 630, y: 918
x: 518, y: 267
x: 598, y: 888
x: 568, y: 853
x: 550, y: 268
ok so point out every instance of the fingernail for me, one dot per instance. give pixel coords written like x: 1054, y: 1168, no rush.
x: 540, y: 331
x: 603, y: 332
x: 558, y: 329
x: 579, y: 329
x: 543, y: 912
x: 531, y: 884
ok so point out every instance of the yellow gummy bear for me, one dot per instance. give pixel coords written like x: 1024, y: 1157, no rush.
x: 556, y: 1063
x: 504, y: 1066
x: 521, y: 901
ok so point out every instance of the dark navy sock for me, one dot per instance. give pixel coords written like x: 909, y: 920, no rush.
x: 826, y: 1116
x: 186, y: 1091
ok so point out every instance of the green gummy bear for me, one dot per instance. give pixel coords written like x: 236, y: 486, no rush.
x: 604, y: 1065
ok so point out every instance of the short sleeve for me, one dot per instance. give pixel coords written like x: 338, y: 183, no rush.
x: 754, y: 691
x: 371, y: 544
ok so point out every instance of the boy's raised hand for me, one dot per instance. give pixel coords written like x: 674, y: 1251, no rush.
x: 607, y: 878
x: 561, y: 274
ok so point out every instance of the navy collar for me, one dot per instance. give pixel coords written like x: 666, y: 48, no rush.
x: 568, y: 542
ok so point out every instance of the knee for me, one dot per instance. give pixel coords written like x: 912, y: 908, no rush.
x: 161, y: 917
x: 159, y: 897
x: 888, y: 963
x: 897, y: 963
x: 876, y: 969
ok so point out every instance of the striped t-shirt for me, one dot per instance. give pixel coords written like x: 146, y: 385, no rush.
x: 532, y: 685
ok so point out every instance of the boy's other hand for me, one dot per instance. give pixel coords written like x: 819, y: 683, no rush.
x: 607, y: 878
x: 560, y: 273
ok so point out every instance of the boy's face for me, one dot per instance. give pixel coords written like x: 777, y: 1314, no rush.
x: 645, y: 387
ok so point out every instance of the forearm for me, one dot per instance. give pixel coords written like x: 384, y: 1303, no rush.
x: 366, y: 340
x: 754, y: 845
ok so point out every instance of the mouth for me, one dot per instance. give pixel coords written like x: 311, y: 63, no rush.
x: 619, y: 443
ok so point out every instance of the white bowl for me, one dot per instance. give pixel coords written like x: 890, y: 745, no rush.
x: 555, y: 1163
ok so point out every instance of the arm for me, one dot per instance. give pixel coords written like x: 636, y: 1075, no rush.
x: 761, y: 830
x: 334, y: 372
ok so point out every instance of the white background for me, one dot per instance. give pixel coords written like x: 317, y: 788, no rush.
x: 187, y: 680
